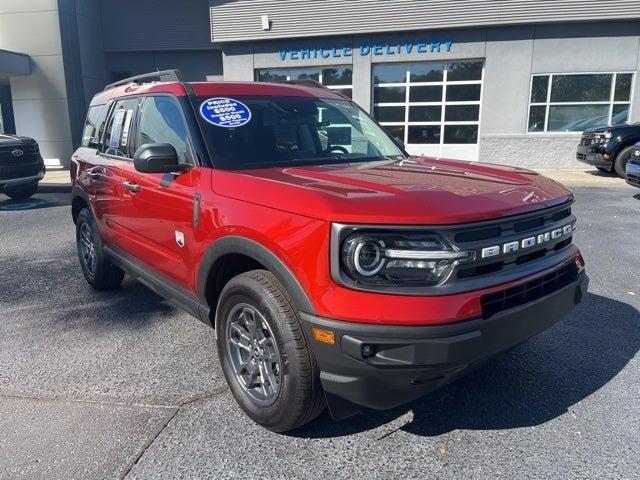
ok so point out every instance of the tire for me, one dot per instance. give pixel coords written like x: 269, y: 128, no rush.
x: 620, y: 164
x: 99, y: 272
x: 294, y: 395
x: 21, y: 192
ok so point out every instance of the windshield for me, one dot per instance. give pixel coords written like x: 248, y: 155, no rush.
x: 291, y: 131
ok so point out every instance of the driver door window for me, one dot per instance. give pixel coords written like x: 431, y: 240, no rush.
x: 161, y: 121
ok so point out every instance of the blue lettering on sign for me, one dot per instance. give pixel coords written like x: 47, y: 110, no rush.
x: 225, y: 112
x: 365, y: 49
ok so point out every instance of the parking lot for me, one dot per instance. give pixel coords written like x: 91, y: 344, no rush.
x: 123, y: 384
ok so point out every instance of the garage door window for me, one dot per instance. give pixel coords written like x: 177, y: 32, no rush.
x: 577, y: 102
x: 429, y: 103
x: 335, y: 78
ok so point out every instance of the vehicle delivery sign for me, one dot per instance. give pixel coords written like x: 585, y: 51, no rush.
x: 225, y: 112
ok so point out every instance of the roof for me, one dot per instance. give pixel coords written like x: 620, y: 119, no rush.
x: 206, y: 89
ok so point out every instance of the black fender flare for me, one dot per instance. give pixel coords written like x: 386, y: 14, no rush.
x: 244, y: 246
x: 77, y: 192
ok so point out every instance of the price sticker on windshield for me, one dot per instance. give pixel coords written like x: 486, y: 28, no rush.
x: 225, y: 112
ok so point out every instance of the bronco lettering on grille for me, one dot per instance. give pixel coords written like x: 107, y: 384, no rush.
x: 526, y: 243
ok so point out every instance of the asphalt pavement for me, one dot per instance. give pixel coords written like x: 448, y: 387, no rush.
x: 123, y: 384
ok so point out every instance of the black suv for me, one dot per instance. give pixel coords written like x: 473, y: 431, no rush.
x: 609, y: 148
x: 21, y: 166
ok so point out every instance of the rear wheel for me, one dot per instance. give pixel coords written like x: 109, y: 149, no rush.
x: 98, y: 270
x: 21, y: 192
x: 623, y: 157
x: 265, y: 355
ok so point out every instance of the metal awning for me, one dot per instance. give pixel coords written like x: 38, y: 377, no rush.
x: 12, y: 63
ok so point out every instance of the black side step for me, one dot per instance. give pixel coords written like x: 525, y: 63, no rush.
x: 160, y: 285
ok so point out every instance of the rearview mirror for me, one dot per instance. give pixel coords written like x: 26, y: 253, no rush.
x: 156, y: 158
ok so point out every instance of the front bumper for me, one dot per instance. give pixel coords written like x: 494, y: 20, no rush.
x: 589, y: 156
x: 14, y: 182
x: 410, y: 362
x: 633, y: 174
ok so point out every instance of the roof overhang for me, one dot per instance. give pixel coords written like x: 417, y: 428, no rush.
x: 12, y: 63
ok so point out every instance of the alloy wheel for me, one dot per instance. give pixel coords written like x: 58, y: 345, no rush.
x: 254, y: 354
x: 88, y: 249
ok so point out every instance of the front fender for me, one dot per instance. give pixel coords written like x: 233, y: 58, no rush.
x: 241, y: 245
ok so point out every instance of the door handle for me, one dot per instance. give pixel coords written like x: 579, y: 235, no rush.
x: 132, y: 187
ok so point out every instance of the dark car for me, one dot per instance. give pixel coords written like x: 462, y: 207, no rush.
x: 21, y: 166
x: 609, y: 148
x: 633, y: 167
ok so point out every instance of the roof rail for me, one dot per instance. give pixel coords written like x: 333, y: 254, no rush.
x: 307, y: 82
x: 159, y: 76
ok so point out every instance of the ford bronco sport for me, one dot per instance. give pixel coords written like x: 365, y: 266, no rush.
x: 335, y: 268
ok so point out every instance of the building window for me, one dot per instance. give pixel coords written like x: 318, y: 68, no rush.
x: 579, y: 101
x: 335, y: 78
x: 430, y: 102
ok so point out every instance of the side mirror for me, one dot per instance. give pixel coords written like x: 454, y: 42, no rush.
x: 156, y: 158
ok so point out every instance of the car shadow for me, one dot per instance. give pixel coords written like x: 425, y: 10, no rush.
x: 529, y: 386
x: 637, y: 196
x: 130, y: 307
x: 598, y: 173
x: 48, y: 195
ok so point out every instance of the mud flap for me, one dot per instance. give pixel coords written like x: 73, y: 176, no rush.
x: 339, y: 408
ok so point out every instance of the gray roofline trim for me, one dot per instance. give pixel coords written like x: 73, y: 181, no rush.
x: 239, y: 20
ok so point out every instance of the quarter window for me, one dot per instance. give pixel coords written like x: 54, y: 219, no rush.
x: 429, y: 103
x: 337, y: 78
x: 576, y: 102
x: 161, y: 121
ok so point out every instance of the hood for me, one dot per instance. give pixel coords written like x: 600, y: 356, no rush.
x: 419, y: 191
x: 617, y: 128
x: 6, y: 139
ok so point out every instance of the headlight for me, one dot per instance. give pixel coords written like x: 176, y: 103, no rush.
x: 603, y: 137
x: 386, y: 259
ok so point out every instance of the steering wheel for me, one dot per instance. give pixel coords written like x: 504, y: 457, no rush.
x: 333, y: 148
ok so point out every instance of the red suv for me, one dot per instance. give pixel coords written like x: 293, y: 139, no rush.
x: 335, y: 268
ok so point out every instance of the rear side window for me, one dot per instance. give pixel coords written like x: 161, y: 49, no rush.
x: 161, y: 121
x: 117, y: 138
x: 94, y: 126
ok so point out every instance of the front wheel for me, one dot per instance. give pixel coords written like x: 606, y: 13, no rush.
x: 264, y: 353
x: 623, y: 157
x: 21, y: 192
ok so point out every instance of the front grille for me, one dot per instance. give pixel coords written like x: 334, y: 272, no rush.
x: 581, y: 156
x: 633, y: 179
x: 29, y: 154
x: 493, y: 303
x: 586, y: 140
x: 507, y: 230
